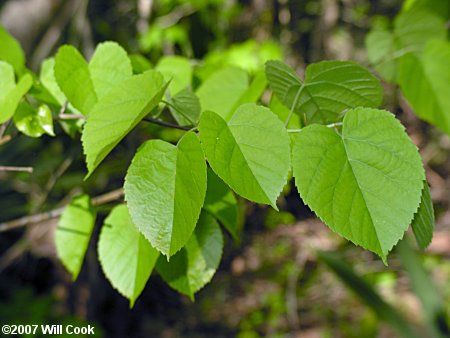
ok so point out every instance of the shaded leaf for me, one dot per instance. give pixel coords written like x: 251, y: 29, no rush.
x: 425, y: 81
x: 126, y: 257
x: 74, y: 232
x: 423, y: 222
x: 185, y: 108
x: 33, y: 121
x: 195, y: 265
x: 329, y: 88
x: 221, y: 203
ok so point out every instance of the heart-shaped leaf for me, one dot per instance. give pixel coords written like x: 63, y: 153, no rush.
x: 194, y: 266
x: 126, y: 257
x: 165, y: 188
x: 74, y: 232
x: 117, y: 113
x: 365, y: 184
x: 250, y: 153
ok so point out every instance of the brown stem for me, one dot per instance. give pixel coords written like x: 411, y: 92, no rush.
x: 37, y: 218
x: 21, y: 169
x: 165, y: 124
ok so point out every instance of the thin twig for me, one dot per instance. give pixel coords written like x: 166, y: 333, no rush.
x: 70, y: 117
x: 21, y: 169
x: 165, y: 124
x: 37, y: 218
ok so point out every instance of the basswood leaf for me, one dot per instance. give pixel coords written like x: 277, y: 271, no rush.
x: 221, y: 203
x: 423, y: 222
x: 47, y: 78
x: 425, y: 81
x: 194, y: 266
x: 250, y: 153
x: 222, y: 91
x: 329, y: 88
x: 185, y: 108
x: 11, y: 51
x: 109, y: 65
x: 33, y: 121
x: 255, y: 90
x: 177, y: 70
x: 117, y: 113
x: 74, y: 232
x: 10, y: 93
x: 126, y: 257
x: 412, y: 30
x: 73, y: 77
x: 364, y: 184
x: 165, y: 189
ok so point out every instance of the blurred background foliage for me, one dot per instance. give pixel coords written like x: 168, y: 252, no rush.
x: 272, y: 282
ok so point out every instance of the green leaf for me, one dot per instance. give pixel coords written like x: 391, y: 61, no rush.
x: 126, y: 257
x: 221, y: 203
x: 194, y: 266
x: 10, y: 93
x: 185, y: 108
x: 74, y: 232
x: 424, y: 83
x: 329, y: 88
x: 117, y: 113
x: 139, y: 63
x: 33, y: 121
x: 255, y: 90
x: 74, y: 80
x: 380, y: 45
x: 109, y: 65
x: 222, y: 91
x: 364, y: 184
x: 177, y: 70
x: 423, y: 222
x: 412, y: 30
x: 47, y: 78
x: 11, y: 51
x: 368, y: 295
x: 165, y: 189
x: 250, y: 153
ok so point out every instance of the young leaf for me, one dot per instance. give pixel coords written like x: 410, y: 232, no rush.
x: 74, y: 232
x: 165, y: 189
x: 423, y: 222
x: 364, y: 184
x: 221, y: 203
x: 329, y: 88
x: 185, y: 108
x: 117, y: 113
x: 177, y: 70
x: 221, y: 91
x: 10, y: 93
x: 381, y: 46
x: 126, y: 257
x: 11, y: 51
x: 33, y: 121
x: 424, y: 83
x: 194, y: 266
x: 109, y: 65
x: 73, y: 77
x: 250, y: 153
